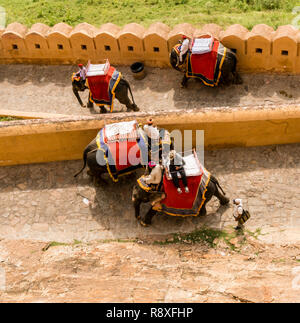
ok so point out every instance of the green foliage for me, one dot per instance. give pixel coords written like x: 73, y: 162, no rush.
x: 206, y: 235
x: 212, y: 237
x: 171, y: 12
x: 8, y: 118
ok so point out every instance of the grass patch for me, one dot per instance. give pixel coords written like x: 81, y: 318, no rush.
x: 9, y: 118
x: 204, y: 235
x: 276, y: 261
x: 256, y: 233
x: 78, y: 242
x: 145, y: 12
x: 211, y: 237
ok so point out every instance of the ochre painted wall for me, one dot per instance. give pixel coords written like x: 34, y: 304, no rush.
x: 36, y: 141
x: 259, y: 50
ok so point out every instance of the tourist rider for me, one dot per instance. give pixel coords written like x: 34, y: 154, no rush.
x: 184, y: 48
x: 153, y: 139
x: 175, y: 167
x: 82, y: 73
x: 155, y: 174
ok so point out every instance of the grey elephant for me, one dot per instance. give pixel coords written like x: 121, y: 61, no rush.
x: 121, y: 94
x: 142, y: 193
x: 225, y: 71
x: 100, y: 160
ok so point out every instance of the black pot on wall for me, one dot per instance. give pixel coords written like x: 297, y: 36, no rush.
x: 138, y: 70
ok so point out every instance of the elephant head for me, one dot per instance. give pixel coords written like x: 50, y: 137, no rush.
x: 77, y: 82
x: 174, y: 59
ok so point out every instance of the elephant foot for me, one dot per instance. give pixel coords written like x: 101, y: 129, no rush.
x: 225, y: 201
x: 135, y: 108
x: 238, y: 79
x: 202, y: 212
x: 103, y: 110
x: 144, y: 224
x: 96, y: 182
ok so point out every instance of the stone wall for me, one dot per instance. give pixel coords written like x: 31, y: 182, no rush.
x: 260, y: 49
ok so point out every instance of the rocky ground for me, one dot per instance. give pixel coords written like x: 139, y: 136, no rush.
x: 148, y: 272
x: 48, y: 89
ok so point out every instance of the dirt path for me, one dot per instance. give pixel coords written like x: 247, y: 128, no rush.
x: 48, y: 89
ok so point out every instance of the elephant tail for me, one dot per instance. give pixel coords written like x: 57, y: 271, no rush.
x: 129, y: 88
x: 236, y: 75
x: 85, y: 153
x: 215, y: 181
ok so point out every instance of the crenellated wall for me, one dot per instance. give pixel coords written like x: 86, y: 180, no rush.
x: 258, y: 50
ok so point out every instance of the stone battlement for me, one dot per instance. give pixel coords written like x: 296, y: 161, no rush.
x: 260, y: 50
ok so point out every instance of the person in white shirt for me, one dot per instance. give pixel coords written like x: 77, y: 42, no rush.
x: 155, y: 175
x: 154, y: 179
x: 239, y: 213
x: 184, y: 48
x: 153, y: 139
x: 82, y: 72
x: 151, y: 131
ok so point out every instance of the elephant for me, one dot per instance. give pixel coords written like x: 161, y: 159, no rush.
x: 228, y: 75
x: 92, y: 155
x: 121, y: 91
x: 89, y: 159
x: 140, y: 196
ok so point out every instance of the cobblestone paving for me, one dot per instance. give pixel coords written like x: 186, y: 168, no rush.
x: 48, y: 89
x: 44, y: 202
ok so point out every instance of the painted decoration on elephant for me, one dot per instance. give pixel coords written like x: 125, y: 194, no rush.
x: 125, y: 153
x: 207, y: 66
x: 102, y: 87
x: 185, y: 204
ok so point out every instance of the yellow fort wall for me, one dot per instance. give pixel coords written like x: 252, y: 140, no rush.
x: 258, y: 50
x: 37, y: 141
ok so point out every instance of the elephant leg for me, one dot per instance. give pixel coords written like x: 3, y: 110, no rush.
x: 211, y: 188
x: 203, y: 209
x: 148, y: 218
x: 184, y: 82
x: 222, y: 198
x: 137, y: 207
x: 102, y: 109
x: 122, y: 96
x: 75, y: 91
x: 237, y: 78
x: 130, y: 106
x: 90, y: 104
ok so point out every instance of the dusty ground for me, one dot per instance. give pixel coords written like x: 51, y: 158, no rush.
x: 43, y: 203
x: 48, y: 89
x: 148, y: 272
